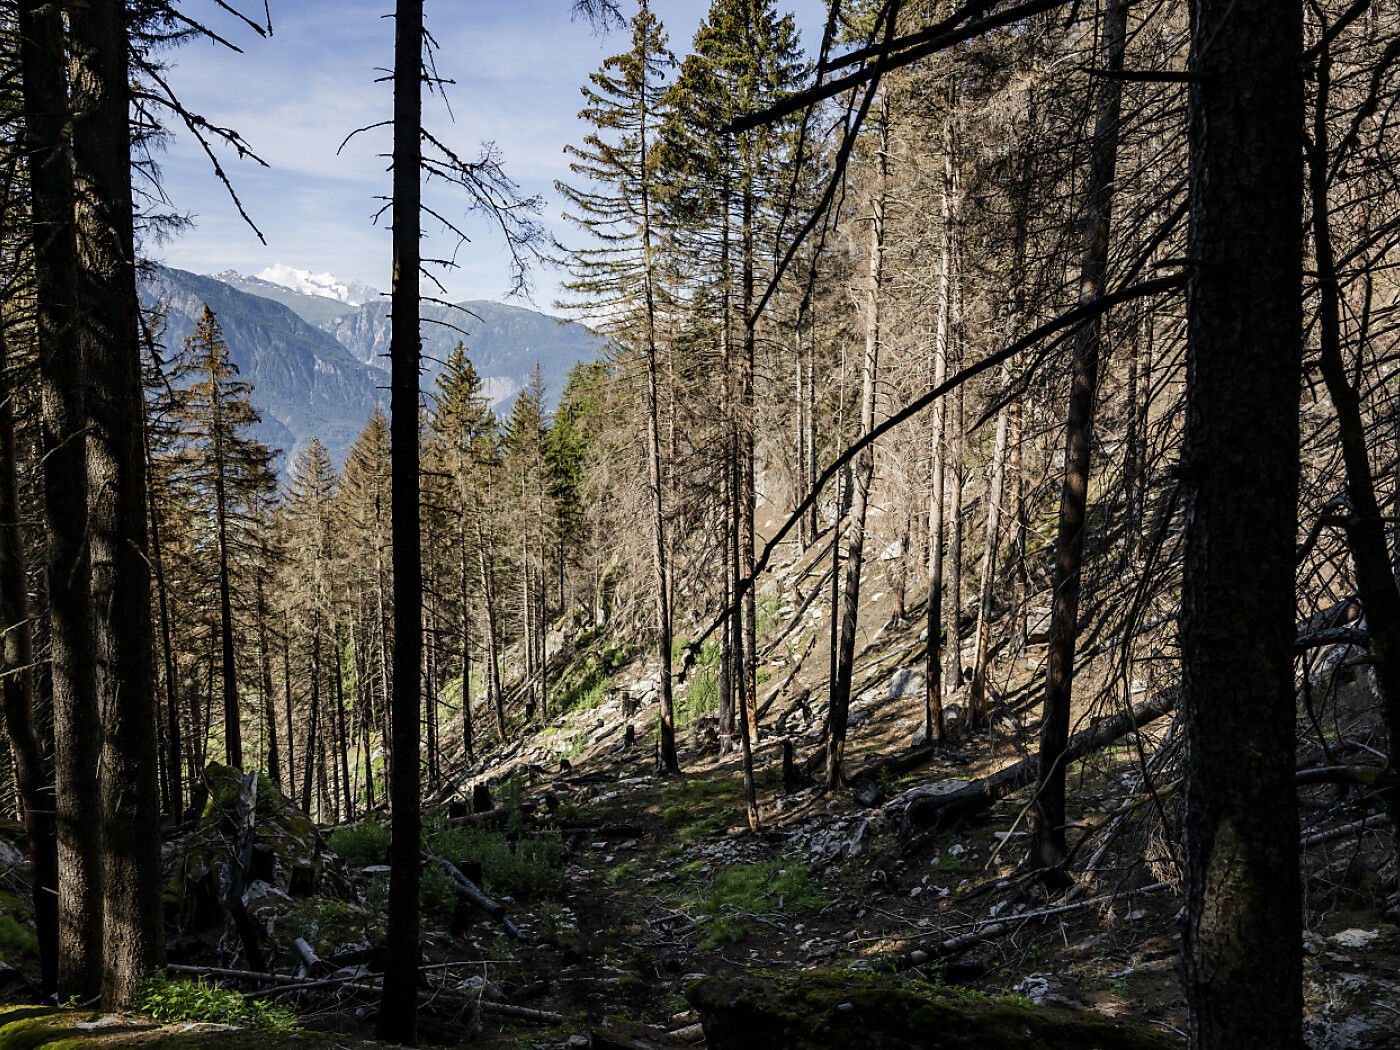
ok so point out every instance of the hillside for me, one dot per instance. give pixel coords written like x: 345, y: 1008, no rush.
x: 503, y: 342
x: 305, y: 383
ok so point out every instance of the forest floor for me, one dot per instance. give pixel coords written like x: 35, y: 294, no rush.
x: 646, y: 882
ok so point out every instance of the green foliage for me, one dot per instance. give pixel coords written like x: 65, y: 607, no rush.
x: 530, y: 869
x: 744, y: 890
x: 436, y: 894
x: 17, y: 939
x: 702, y: 697
x: 164, y: 999
x: 377, y: 893
x: 366, y: 843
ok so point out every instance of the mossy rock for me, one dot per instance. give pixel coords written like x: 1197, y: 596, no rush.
x: 825, y: 1011
x: 291, y: 834
x: 45, y: 1028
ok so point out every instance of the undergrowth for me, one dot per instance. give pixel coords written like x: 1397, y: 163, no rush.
x: 743, y: 891
x: 200, y: 1001
x: 361, y: 845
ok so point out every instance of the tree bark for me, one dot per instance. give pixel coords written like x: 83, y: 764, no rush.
x: 1048, y: 849
x: 398, y: 1009
x: 1243, y: 938
x: 77, y: 737
x: 17, y: 659
x: 864, y: 466
x: 1364, y: 525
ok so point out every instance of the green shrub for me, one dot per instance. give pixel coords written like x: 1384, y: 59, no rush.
x: 202, y: 1001
x: 362, y: 844
x: 17, y: 939
x: 435, y: 892
x: 743, y: 890
x: 531, y: 869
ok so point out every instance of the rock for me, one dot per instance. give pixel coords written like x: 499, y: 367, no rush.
x: 1355, y: 938
x: 819, y: 1011
x: 868, y: 793
x: 1349, y: 1011
x: 907, y: 683
x: 1038, y: 624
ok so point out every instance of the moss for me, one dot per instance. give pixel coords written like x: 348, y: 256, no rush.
x: 824, y: 1011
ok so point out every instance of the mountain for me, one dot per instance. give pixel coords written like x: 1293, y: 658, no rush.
x: 503, y: 342
x: 305, y: 383
x: 354, y: 293
x: 314, y: 309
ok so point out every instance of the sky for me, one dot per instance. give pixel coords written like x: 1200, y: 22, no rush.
x: 518, y: 66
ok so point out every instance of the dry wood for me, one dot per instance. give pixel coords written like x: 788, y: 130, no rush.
x: 945, y: 810
x: 471, y: 892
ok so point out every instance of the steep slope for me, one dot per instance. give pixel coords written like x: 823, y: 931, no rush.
x: 305, y: 383
x: 503, y: 342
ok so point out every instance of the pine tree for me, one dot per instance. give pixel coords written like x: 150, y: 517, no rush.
x: 620, y: 273
x: 225, y: 465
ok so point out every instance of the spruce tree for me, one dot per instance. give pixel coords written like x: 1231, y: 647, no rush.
x: 619, y: 272
x: 225, y: 465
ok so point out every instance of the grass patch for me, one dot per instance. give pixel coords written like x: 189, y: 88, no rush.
x: 742, y: 891
x: 530, y: 869
x: 695, y: 807
x: 361, y: 845
x: 163, y: 999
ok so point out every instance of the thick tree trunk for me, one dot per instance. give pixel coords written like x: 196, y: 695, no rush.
x: 934, y: 728
x: 398, y: 1009
x: 1048, y: 849
x: 133, y: 930
x: 1243, y: 938
x: 72, y: 657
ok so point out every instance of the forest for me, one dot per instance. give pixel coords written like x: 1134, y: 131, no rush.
x: 959, y: 606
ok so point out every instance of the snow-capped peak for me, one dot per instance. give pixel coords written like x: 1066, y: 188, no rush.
x: 355, y: 293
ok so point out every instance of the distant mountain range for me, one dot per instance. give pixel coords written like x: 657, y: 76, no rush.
x: 316, y: 361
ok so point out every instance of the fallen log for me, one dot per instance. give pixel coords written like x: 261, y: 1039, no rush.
x: 782, y: 686
x: 949, y: 808
x: 470, y: 891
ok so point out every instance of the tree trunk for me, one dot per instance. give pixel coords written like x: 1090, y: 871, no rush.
x: 274, y: 764
x: 17, y: 660
x: 287, y: 697
x: 398, y: 1009
x: 173, y: 775
x: 1048, y: 850
x: 77, y: 736
x: 1365, y: 525
x: 933, y: 663
x: 310, y: 752
x: 348, y: 798
x: 468, y: 744
x: 493, y: 677
x: 1242, y: 941
x: 133, y: 926
x: 864, y: 468
x: 977, y: 700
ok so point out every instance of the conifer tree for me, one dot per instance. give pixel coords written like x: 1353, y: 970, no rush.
x: 619, y: 272
x: 223, y: 463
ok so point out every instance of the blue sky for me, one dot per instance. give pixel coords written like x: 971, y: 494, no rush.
x: 518, y: 67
